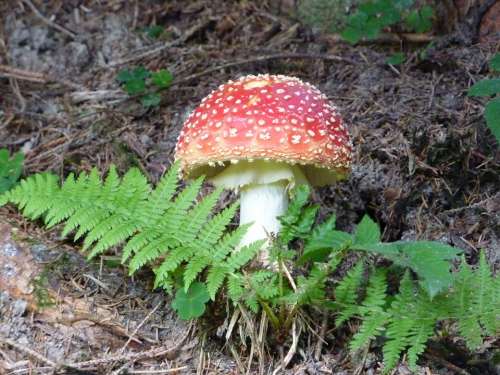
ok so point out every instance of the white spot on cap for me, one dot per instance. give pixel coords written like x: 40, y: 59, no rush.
x: 296, y: 139
x: 265, y: 135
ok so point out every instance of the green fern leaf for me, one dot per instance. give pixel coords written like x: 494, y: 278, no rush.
x: 175, y: 258
x: 235, y: 288
x: 174, y: 216
x: 419, y: 335
x: 485, y: 304
x: 212, y: 231
x: 193, y: 268
x: 468, y: 323
x: 228, y: 243
x: 194, y: 220
x: 215, y: 279
x: 372, y: 311
x: 241, y: 257
x: 401, y: 323
x: 346, y: 293
x: 160, y: 199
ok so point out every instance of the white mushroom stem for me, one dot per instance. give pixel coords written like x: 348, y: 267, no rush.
x: 261, y: 205
x: 264, y: 195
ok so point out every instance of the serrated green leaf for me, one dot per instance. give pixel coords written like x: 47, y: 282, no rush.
x: 485, y: 87
x: 162, y: 78
x: 318, y: 248
x: 10, y: 169
x: 191, y: 304
x: 495, y: 63
x: 351, y: 35
x: 429, y: 260
x: 124, y: 75
x: 135, y: 86
x: 139, y: 73
x: 367, y: 232
x: 396, y: 59
x: 420, y: 20
x: 300, y: 199
x: 152, y: 99
x: 492, y: 115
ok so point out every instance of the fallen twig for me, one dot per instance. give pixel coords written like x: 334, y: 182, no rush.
x: 26, y: 75
x: 385, y: 38
x: 146, y: 318
x: 28, y: 351
x: 161, y: 351
x: 265, y: 58
x: 50, y: 23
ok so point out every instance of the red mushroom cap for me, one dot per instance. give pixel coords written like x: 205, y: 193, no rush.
x: 270, y: 117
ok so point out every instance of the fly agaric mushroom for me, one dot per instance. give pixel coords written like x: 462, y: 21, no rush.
x: 264, y: 134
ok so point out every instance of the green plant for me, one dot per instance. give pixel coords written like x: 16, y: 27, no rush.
x: 488, y: 88
x: 372, y: 16
x: 369, y: 18
x: 145, y: 84
x: 396, y: 59
x: 329, y: 15
x: 408, y: 319
x: 175, y: 234
x: 193, y: 254
x: 10, y: 169
x: 428, y: 291
x: 154, y: 31
x: 191, y: 303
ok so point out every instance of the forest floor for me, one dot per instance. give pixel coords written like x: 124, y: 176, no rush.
x: 425, y: 167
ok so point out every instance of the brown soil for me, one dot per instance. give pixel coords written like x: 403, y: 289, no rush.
x: 425, y: 164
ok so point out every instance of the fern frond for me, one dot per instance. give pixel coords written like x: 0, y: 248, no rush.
x: 420, y: 333
x: 372, y: 311
x: 235, y: 287
x: 160, y: 199
x: 33, y: 194
x: 62, y: 208
x: 264, y: 283
x: 370, y: 328
x: 486, y: 302
x: 193, y: 268
x: 152, y: 251
x: 346, y: 293
x: 228, y: 243
x: 399, y: 328
x: 463, y: 301
x: 241, y: 257
x: 213, y: 231
x: 174, y: 216
x: 215, y: 279
x: 139, y: 241
x: 194, y: 220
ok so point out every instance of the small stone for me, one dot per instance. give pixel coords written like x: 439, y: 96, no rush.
x: 19, y: 307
